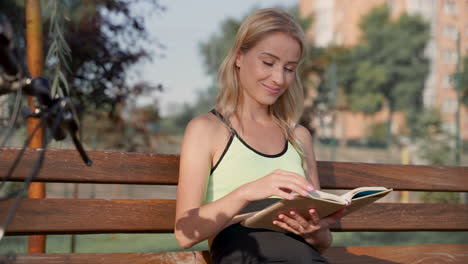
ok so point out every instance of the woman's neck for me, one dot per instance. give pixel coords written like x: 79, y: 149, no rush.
x: 250, y: 110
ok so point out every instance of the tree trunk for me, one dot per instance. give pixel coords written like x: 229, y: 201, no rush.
x: 388, y: 140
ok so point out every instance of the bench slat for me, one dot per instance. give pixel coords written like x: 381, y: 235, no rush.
x: 65, y: 165
x: 414, y: 254
x: 454, y: 254
x: 140, y: 168
x: 49, y: 216
x: 349, y: 175
x: 194, y: 257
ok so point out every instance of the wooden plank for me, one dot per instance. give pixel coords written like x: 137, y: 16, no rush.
x: 414, y: 254
x: 349, y: 175
x: 139, y: 168
x: 194, y: 257
x: 108, y: 167
x: 406, y: 217
x: 75, y: 216
x: 71, y: 216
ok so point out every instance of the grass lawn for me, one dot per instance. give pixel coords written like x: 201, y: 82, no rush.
x: 108, y: 243
x: 101, y: 243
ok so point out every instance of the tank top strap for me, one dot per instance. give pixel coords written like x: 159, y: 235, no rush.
x: 221, y: 117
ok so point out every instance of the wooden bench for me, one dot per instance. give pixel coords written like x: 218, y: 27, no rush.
x: 85, y: 216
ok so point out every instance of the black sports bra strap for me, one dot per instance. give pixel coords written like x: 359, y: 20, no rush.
x: 221, y: 117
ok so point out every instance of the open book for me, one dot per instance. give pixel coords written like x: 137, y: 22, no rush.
x: 263, y: 212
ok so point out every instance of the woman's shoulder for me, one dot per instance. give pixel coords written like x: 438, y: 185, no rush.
x: 204, y: 126
x: 302, y: 133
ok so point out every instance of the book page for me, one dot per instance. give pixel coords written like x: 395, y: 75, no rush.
x: 327, y: 196
x: 324, y: 203
x: 363, y: 192
x: 301, y: 204
x: 361, y: 201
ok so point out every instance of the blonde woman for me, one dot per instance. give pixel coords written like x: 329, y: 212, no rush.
x: 250, y: 148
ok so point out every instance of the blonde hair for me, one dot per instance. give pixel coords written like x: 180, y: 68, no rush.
x: 287, y: 110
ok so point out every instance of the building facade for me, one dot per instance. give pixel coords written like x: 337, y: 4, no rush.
x: 337, y: 22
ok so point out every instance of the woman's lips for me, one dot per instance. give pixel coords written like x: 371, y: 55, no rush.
x: 273, y: 90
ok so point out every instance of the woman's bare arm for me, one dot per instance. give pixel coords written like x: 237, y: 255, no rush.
x: 195, y: 222
x: 311, y: 164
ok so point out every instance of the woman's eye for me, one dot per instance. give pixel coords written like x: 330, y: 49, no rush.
x: 289, y: 69
x: 268, y: 63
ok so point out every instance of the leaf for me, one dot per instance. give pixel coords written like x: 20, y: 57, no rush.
x: 52, y: 50
x: 54, y: 87
x: 64, y: 82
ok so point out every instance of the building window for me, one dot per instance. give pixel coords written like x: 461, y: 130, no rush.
x: 449, y: 127
x: 446, y: 82
x: 450, y: 7
x: 391, y: 5
x: 450, y: 32
x: 450, y: 57
x: 449, y: 106
x: 430, y: 50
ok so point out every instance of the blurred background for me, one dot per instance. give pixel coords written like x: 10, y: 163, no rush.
x: 386, y: 81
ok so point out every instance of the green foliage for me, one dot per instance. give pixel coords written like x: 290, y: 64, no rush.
x: 105, y: 38
x: 434, y: 142
x: 59, y: 52
x: 215, y: 49
x: 14, y: 11
x: 426, y: 124
x: 464, y: 80
x: 204, y: 103
x: 388, y: 67
x: 377, y: 132
x: 434, y: 148
x: 440, y: 197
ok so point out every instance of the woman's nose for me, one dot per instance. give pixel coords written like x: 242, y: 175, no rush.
x: 278, y: 76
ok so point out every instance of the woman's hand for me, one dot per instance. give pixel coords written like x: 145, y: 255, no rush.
x: 278, y: 183
x: 314, y: 230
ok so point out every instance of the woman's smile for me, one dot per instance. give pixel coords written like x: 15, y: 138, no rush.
x: 267, y: 70
x: 272, y: 89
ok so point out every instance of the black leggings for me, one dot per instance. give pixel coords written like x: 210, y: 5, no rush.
x: 239, y: 244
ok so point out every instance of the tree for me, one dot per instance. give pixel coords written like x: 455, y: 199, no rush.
x: 432, y: 145
x: 215, y: 49
x: 106, y: 38
x: 464, y: 80
x: 388, y: 68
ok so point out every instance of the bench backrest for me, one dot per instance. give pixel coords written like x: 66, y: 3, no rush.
x: 40, y: 216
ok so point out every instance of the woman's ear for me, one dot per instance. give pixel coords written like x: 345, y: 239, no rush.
x: 239, y: 58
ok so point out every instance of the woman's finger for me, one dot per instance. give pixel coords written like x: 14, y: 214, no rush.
x: 314, y: 217
x: 292, y: 186
x: 297, y: 179
x: 292, y: 223
x: 284, y: 194
x: 285, y: 226
x: 299, y: 219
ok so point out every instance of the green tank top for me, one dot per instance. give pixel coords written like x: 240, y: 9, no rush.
x: 240, y: 164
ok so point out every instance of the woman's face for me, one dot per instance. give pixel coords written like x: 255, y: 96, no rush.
x: 268, y: 68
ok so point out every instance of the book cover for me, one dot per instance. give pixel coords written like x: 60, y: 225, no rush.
x: 325, y: 204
